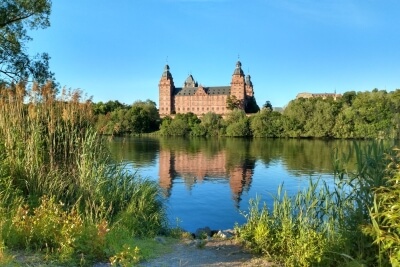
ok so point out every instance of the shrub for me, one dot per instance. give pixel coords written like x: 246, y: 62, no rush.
x: 385, y: 215
x: 322, y: 225
x: 59, y: 189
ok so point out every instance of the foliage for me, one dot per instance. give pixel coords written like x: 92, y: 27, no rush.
x: 237, y: 124
x: 266, y: 123
x: 16, y: 17
x: 251, y: 105
x: 59, y: 190
x: 367, y: 115
x: 101, y: 108
x: 212, y: 124
x: 322, y: 225
x: 127, y: 257
x: 233, y: 103
x: 267, y: 105
x: 356, y: 115
x: 385, y: 215
x: 114, y: 118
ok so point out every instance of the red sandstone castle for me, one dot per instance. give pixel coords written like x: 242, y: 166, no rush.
x: 200, y: 100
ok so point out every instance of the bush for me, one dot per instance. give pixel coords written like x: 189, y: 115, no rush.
x: 59, y: 190
x: 322, y: 225
x: 385, y: 215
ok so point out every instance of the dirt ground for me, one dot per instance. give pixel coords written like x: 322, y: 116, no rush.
x: 215, y: 252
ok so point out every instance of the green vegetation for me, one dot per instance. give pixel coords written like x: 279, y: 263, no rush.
x: 60, y: 193
x: 115, y: 118
x: 355, y: 222
x: 362, y: 115
x: 17, y: 17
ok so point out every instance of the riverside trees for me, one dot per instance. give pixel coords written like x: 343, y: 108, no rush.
x: 16, y: 17
x: 373, y: 114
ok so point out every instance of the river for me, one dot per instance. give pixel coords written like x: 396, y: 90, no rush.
x: 209, y: 182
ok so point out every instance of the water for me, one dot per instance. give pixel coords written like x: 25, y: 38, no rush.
x: 208, y: 182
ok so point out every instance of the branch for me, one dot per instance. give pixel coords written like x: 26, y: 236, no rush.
x: 12, y: 20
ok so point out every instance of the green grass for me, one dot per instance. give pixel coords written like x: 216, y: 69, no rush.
x: 353, y: 223
x: 61, y: 195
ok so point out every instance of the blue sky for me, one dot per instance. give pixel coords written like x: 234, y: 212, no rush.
x: 117, y: 50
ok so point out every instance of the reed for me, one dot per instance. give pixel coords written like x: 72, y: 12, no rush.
x: 55, y: 168
x: 323, y: 224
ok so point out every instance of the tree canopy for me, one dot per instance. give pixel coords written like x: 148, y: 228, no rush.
x: 16, y: 18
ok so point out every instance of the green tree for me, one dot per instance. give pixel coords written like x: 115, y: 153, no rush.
x: 143, y: 117
x: 373, y: 115
x: 267, y: 105
x: 237, y: 124
x: 251, y: 105
x: 348, y: 97
x: 189, y: 118
x: 296, y: 115
x: 232, y: 102
x: 344, y: 123
x: 177, y: 127
x: 322, y: 118
x: 16, y: 17
x: 213, y: 123
x: 266, y: 123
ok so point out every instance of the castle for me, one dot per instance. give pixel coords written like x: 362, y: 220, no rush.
x: 200, y: 100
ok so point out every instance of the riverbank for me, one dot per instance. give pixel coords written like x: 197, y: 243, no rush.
x: 172, y: 252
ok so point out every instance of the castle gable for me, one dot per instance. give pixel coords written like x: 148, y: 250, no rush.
x: 200, y: 91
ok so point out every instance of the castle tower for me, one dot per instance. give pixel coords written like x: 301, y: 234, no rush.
x: 238, y: 83
x: 249, y: 87
x: 166, y: 88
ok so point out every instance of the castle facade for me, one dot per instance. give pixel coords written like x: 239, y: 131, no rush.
x: 195, y: 98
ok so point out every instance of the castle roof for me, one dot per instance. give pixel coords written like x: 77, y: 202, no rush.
x: 190, y: 82
x: 166, y: 72
x: 214, y: 90
x: 238, y: 69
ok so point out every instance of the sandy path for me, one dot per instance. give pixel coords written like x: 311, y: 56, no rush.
x: 214, y: 253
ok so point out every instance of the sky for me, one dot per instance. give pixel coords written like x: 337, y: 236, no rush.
x: 117, y: 50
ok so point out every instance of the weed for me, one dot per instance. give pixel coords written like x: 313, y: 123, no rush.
x: 59, y: 190
x: 322, y: 225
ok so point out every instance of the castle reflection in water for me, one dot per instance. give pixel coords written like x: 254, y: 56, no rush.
x: 195, y: 168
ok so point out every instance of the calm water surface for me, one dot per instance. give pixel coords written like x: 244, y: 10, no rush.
x: 207, y: 182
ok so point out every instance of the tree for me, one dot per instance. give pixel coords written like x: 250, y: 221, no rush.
x: 267, y: 105
x: 266, y: 123
x: 251, y: 105
x: 233, y: 103
x: 16, y: 17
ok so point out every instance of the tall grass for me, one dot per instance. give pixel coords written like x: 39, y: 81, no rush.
x: 55, y: 170
x: 327, y: 225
